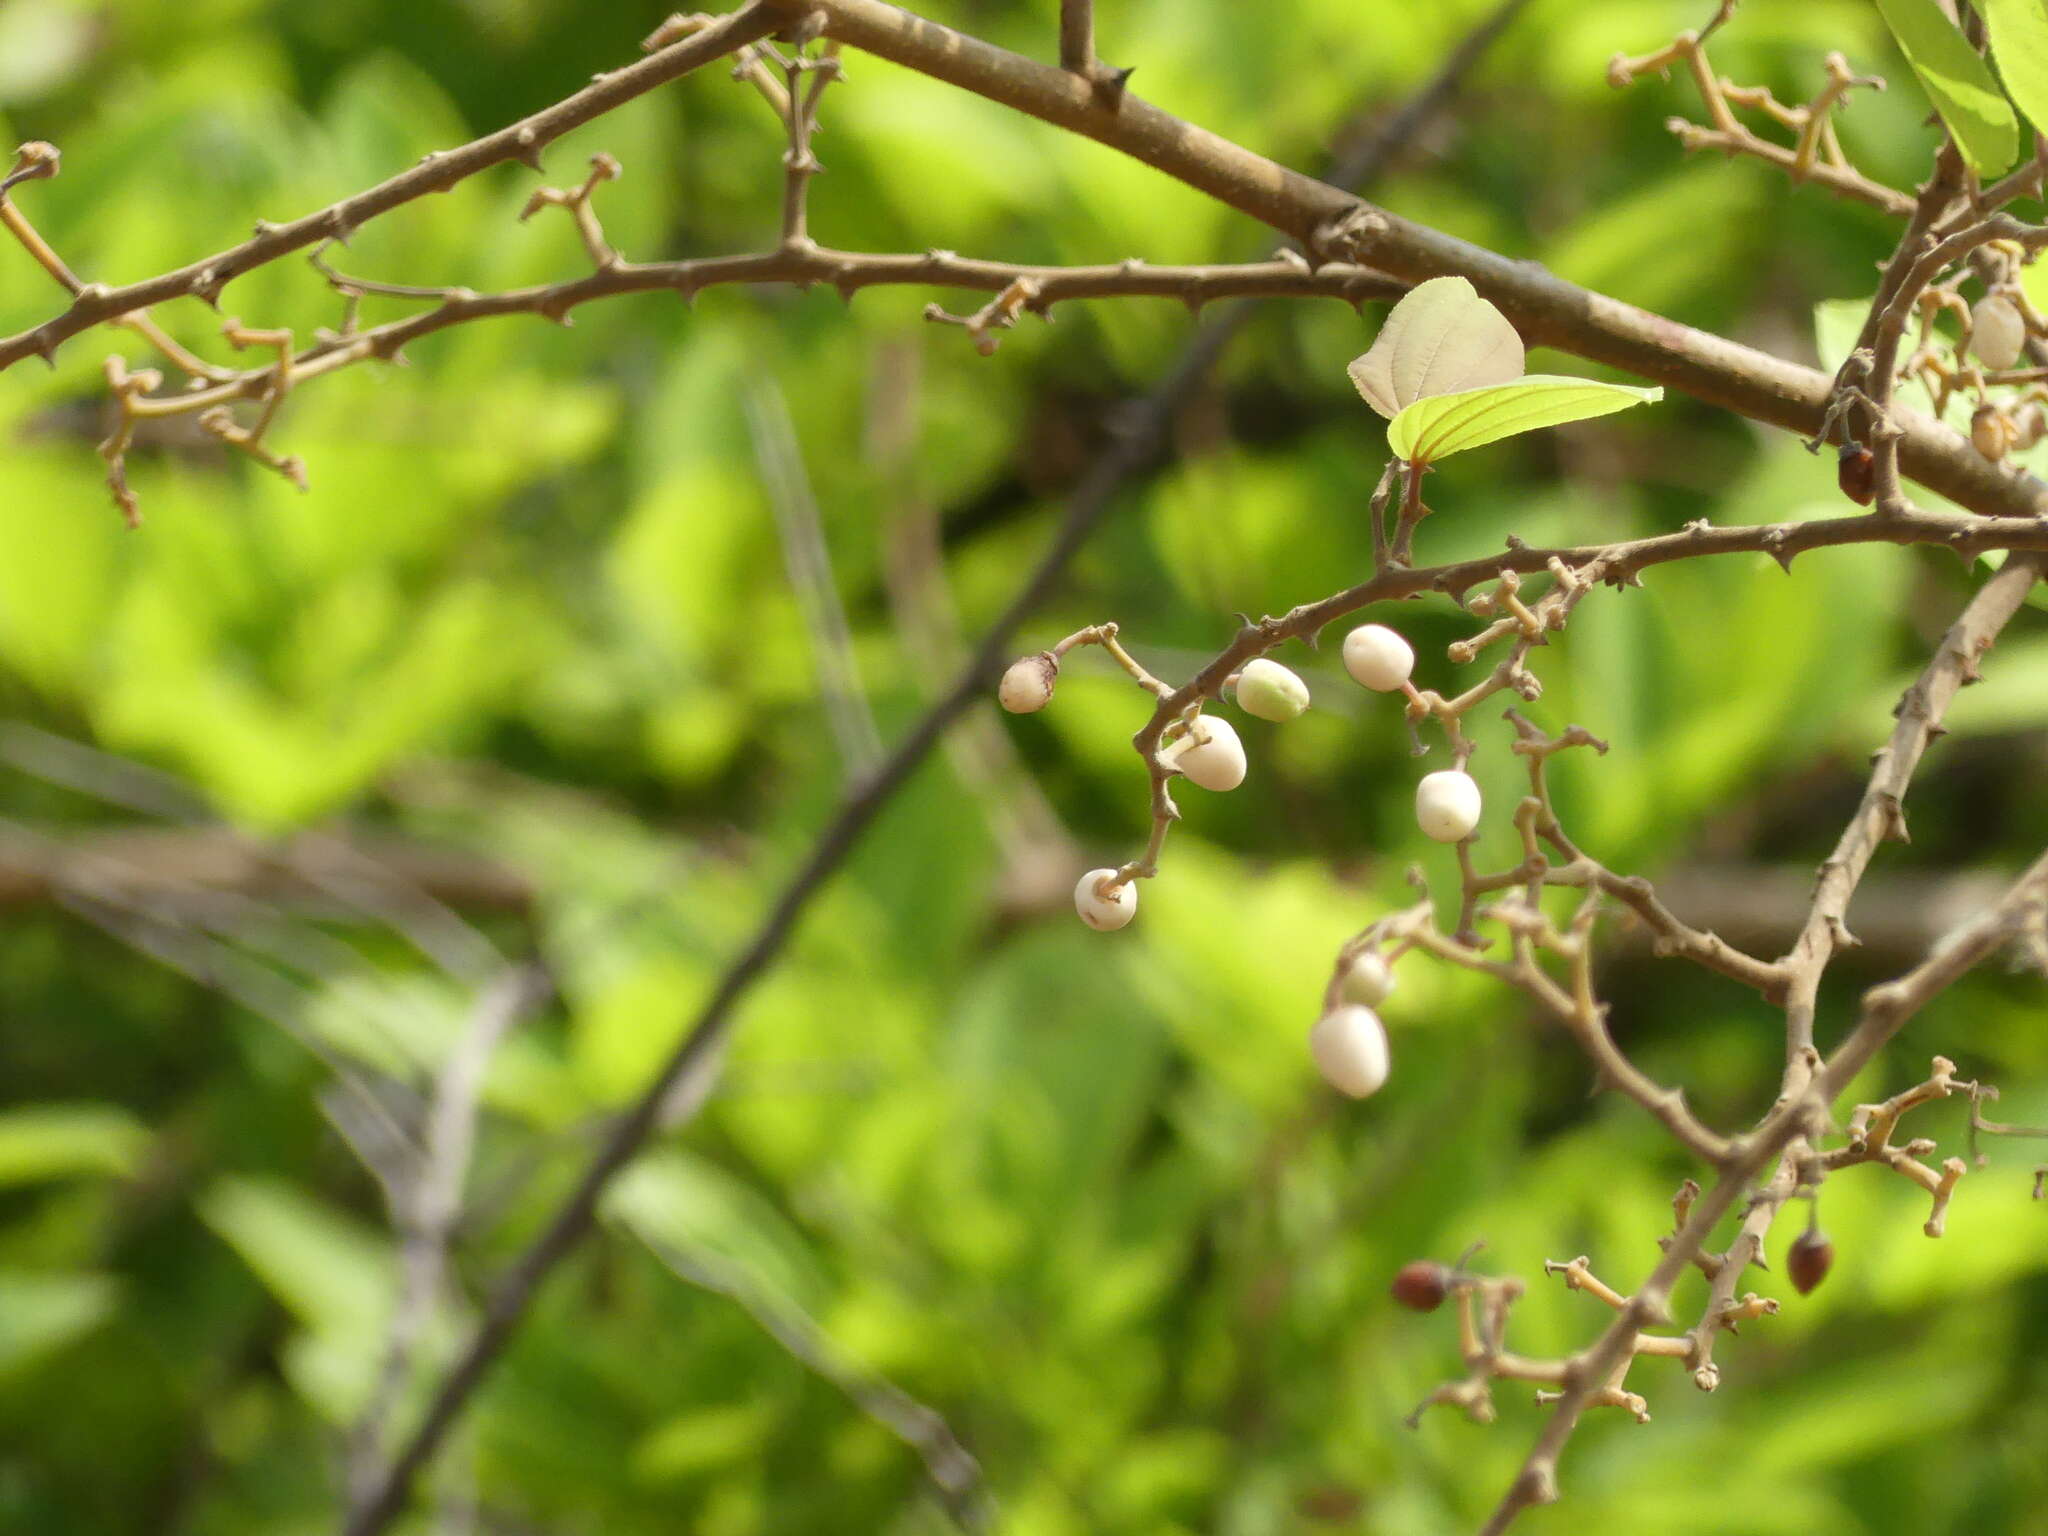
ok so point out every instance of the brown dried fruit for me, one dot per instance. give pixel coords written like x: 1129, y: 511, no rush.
x: 1809, y: 1259
x: 1856, y: 473
x: 1422, y: 1286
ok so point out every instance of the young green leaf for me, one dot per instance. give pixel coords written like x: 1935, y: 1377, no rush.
x: 1965, y: 95
x: 1442, y: 425
x: 2019, y: 45
x: 1441, y: 337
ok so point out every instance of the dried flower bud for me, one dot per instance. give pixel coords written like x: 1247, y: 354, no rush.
x: 1368, y: 979
x: 1027, y: 686
x: 1422, y: 1286
x: 1378, y: 658
x: 1856, y: 473
x: 1210, y: 754
x: 1998, y: 332
x: 1102, y: 902
x: 1270, y: 691
x: 1349, y: 1045
x: 1809, y: 1259
x: 1447, y: 805
x: 1990, y: 432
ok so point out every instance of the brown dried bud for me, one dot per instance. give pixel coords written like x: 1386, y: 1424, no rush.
x: 1990, y: 432
x: 1809, y: 1259
x: 1422, y: 1286
x: 1856, y: 473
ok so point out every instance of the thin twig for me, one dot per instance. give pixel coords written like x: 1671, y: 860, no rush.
x: 809, y: 560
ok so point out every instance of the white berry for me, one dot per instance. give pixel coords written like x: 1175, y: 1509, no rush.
x: 1349, y: 1045
x: 1368, y: 980
x: 1027, y: 686
x: 1270, y: 691
x: 1998, y: 333
x: 1378, y: 658
x: 1104, y: 904
x: 1211, y: 754
x: 1447, y: 805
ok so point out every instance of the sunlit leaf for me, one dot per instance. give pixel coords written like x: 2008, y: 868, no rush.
x: 55, y: 1141
x: 2019, y: 46
x: 1441, y: 337
x: 1968, y: 99
x: 1442, y: 425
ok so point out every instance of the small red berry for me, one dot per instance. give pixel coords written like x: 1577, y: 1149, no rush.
x: 1856, y: 473
x: 1422, y: 1285
x: 1809, y: 1259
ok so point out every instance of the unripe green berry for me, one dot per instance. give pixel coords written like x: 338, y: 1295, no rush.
x: 1027, y: 687
x: 1998, y: 332
x: 1349, y: 1045
x: 1378, y: 658
x: 1270, y: 691
x: 1104, y: 904
x: 1447, y: 805
x: 1210, y: 754
x: 1368, y: 979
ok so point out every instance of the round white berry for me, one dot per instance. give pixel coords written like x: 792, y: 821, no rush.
x: 1104, y: 904
x: 1368, y: 980
x: 1998, y: 333
x: 1349, y: 1045
x: 1447, y: 805
x: 1211, y: 754
x: 1378, y: 658
x: 1270, y: 691
x: 1027, y: 686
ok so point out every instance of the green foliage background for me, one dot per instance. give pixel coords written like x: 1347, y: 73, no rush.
x: 1081, y: 1193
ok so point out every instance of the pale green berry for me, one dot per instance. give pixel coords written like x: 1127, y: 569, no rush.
x: 1104, y: 904
x: 1210, y: 754
x: 1349, y: 1045
x: 1378, y: 658
x: 1368, y: 979
x: 1998, y: 332
x: 1027, y: 686
x: 1270, y: 691
x: 1447, y: 805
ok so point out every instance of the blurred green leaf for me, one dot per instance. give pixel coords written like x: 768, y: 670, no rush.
x: 43, y: 1313
x: 54, y: 1141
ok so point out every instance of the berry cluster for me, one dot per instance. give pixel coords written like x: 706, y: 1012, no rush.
x: 1348, y: 1042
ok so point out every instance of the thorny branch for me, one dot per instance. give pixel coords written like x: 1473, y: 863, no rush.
x: 1330, y: 225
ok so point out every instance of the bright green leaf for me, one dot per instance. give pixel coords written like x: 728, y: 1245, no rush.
x: 1441, y: 425
x: 2019, y: 46
x: 1965, y: 95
